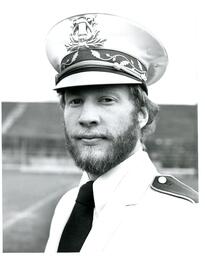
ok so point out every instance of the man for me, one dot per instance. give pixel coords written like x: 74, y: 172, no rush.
x: 105, y: 64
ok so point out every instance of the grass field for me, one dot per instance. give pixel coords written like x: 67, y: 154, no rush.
x: 28, y: 204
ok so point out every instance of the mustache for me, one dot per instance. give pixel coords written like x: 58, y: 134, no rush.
x: 88, y: 134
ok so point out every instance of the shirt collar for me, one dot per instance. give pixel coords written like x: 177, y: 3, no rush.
x: 125, y: 183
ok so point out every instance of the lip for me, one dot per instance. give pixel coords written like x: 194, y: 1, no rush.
x: 90, y: 136
x: 90, y: 139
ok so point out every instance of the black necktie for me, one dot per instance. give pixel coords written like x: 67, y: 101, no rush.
x: 80, y: 222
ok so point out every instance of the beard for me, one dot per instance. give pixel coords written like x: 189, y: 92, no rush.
x: 120, y: 147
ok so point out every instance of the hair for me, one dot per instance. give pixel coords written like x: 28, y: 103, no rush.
x: 141, y: 101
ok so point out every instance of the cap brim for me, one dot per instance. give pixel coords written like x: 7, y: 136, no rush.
x: 94, y: 78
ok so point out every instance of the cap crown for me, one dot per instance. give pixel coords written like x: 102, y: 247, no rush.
x: 106, y: 40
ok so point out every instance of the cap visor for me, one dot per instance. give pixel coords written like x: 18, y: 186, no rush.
x: 94, y: 78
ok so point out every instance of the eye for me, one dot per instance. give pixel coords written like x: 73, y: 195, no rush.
x: 107, y: 100
x: 75, y: 102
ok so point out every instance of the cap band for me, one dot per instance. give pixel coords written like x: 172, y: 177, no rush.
x: 103, y: 58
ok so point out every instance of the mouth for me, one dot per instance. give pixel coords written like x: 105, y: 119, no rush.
x: 90, y: 139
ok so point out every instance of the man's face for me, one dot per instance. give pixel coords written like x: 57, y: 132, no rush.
x: 101, y: 126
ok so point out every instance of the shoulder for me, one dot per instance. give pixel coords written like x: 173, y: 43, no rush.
x: 172, y: 187
x: 64, y: 206
x: 60, y: 217
x: 67, y: 199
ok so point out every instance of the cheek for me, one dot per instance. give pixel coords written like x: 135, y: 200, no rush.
x: 70, y: 118
x: 121, y: 122
x: 66, y: 119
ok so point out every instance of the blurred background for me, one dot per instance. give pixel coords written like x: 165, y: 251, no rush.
x: 37, y: 170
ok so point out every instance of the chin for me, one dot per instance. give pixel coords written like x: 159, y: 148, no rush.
x: 94, y: 153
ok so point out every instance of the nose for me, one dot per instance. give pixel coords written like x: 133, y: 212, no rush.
x: 89, y: 115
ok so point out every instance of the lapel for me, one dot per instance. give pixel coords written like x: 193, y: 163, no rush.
x: 104, y: 228
x: 127, y: 194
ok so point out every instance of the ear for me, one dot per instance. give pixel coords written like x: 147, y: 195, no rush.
x: 143, y: 117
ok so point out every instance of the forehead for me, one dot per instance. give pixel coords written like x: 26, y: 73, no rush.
x: 121, y: 90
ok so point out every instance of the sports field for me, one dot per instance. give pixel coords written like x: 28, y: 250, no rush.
x: 28, y: 204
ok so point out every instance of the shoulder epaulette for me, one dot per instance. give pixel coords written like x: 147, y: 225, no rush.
x: 172, y: 186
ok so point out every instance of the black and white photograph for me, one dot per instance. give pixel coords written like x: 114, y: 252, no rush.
x: 100, y: 128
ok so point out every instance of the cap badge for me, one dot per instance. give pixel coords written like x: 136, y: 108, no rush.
x: 84, y: 34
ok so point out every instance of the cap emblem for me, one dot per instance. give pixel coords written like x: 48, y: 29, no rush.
x: 84, y: 34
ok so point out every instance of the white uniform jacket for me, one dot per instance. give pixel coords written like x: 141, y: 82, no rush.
x: 130, y: 217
